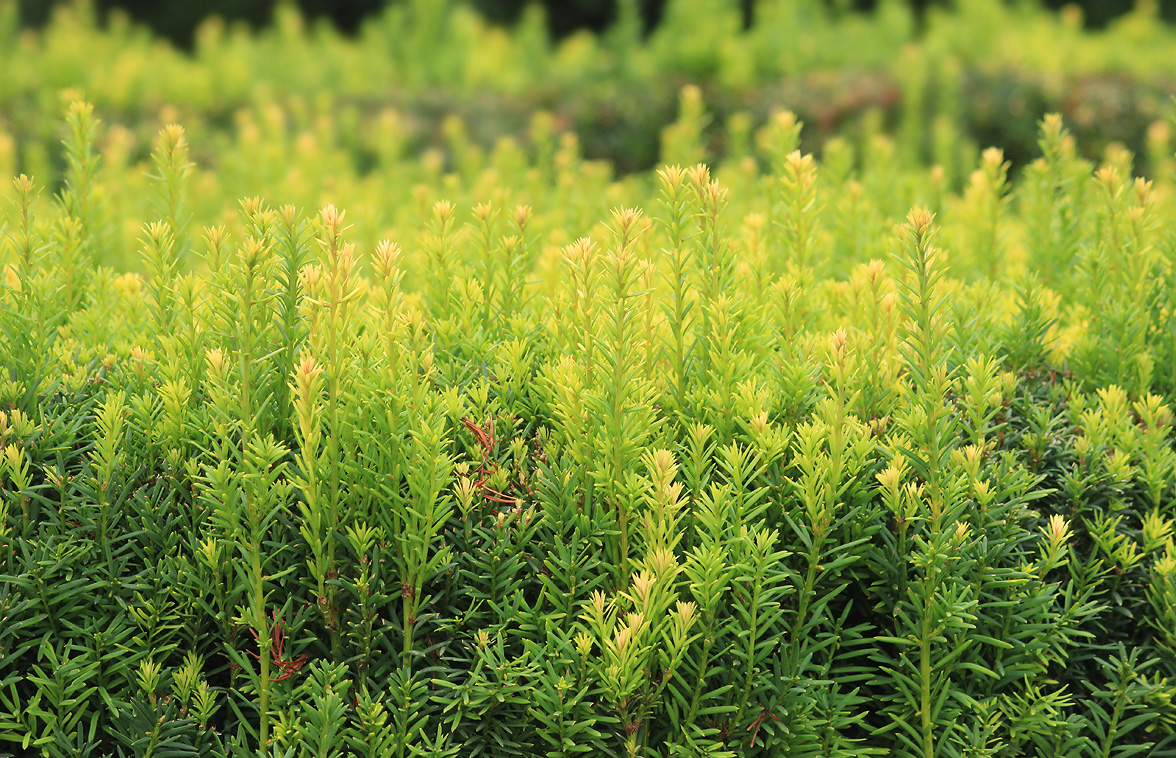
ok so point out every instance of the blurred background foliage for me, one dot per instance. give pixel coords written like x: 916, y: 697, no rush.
x: 608, y: 71
x: 178, y: 19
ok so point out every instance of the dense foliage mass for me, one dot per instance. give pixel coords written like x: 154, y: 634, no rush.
x: 514, y: 457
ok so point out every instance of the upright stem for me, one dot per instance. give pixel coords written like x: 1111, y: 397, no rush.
x: 1113, y: 726
x: 409, y: 623
x: 333, y: 493
x: 810, y: 581
x: 925, y: 702
x: 263, y: 639
x: 752, y: 639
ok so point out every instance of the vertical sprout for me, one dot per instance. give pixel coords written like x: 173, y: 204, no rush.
x: 15, y: 467
x: 763, y: 582
x: 755, y: 252
x: 485, y: 216
x: 517, y: 265
x: 642, y: 648
x: 307, y: 389
x: 925, y: 353
x: 902, y: 503
x: 250, y: 327
x: 32, y: 314
x: 293, y: 251
x: 710, y: 570
x: 216, y: 239
x: 419, y: 554
x: 714, y: 264
x: 386, y: 267
x: 107, y: 459
x: 1121, y: 267
x: 925, y: 332
x: 1161, y: 594
x: 875, y: 339
x: 264, y: 493
x: 778, y: 139
x: 246, y: 485
x: 172, y: 168
x: 331, y: 288
x: 798, y: 189
x: 649, y: 319
x: 992, y: 189
x: 938, y: 603
x: 623, y: 398
x: 440, y: 257
x: 676, y: 202
x: 1052, y: 202
x: 78, y: 227
x: 162, y: 264
x: 363, y: 541
x: 584, y: 260
x: 982, y: 395
x: 729, y: 363
x: 7, y: 553
x: 710, y: 200
x: 1158, y: 462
